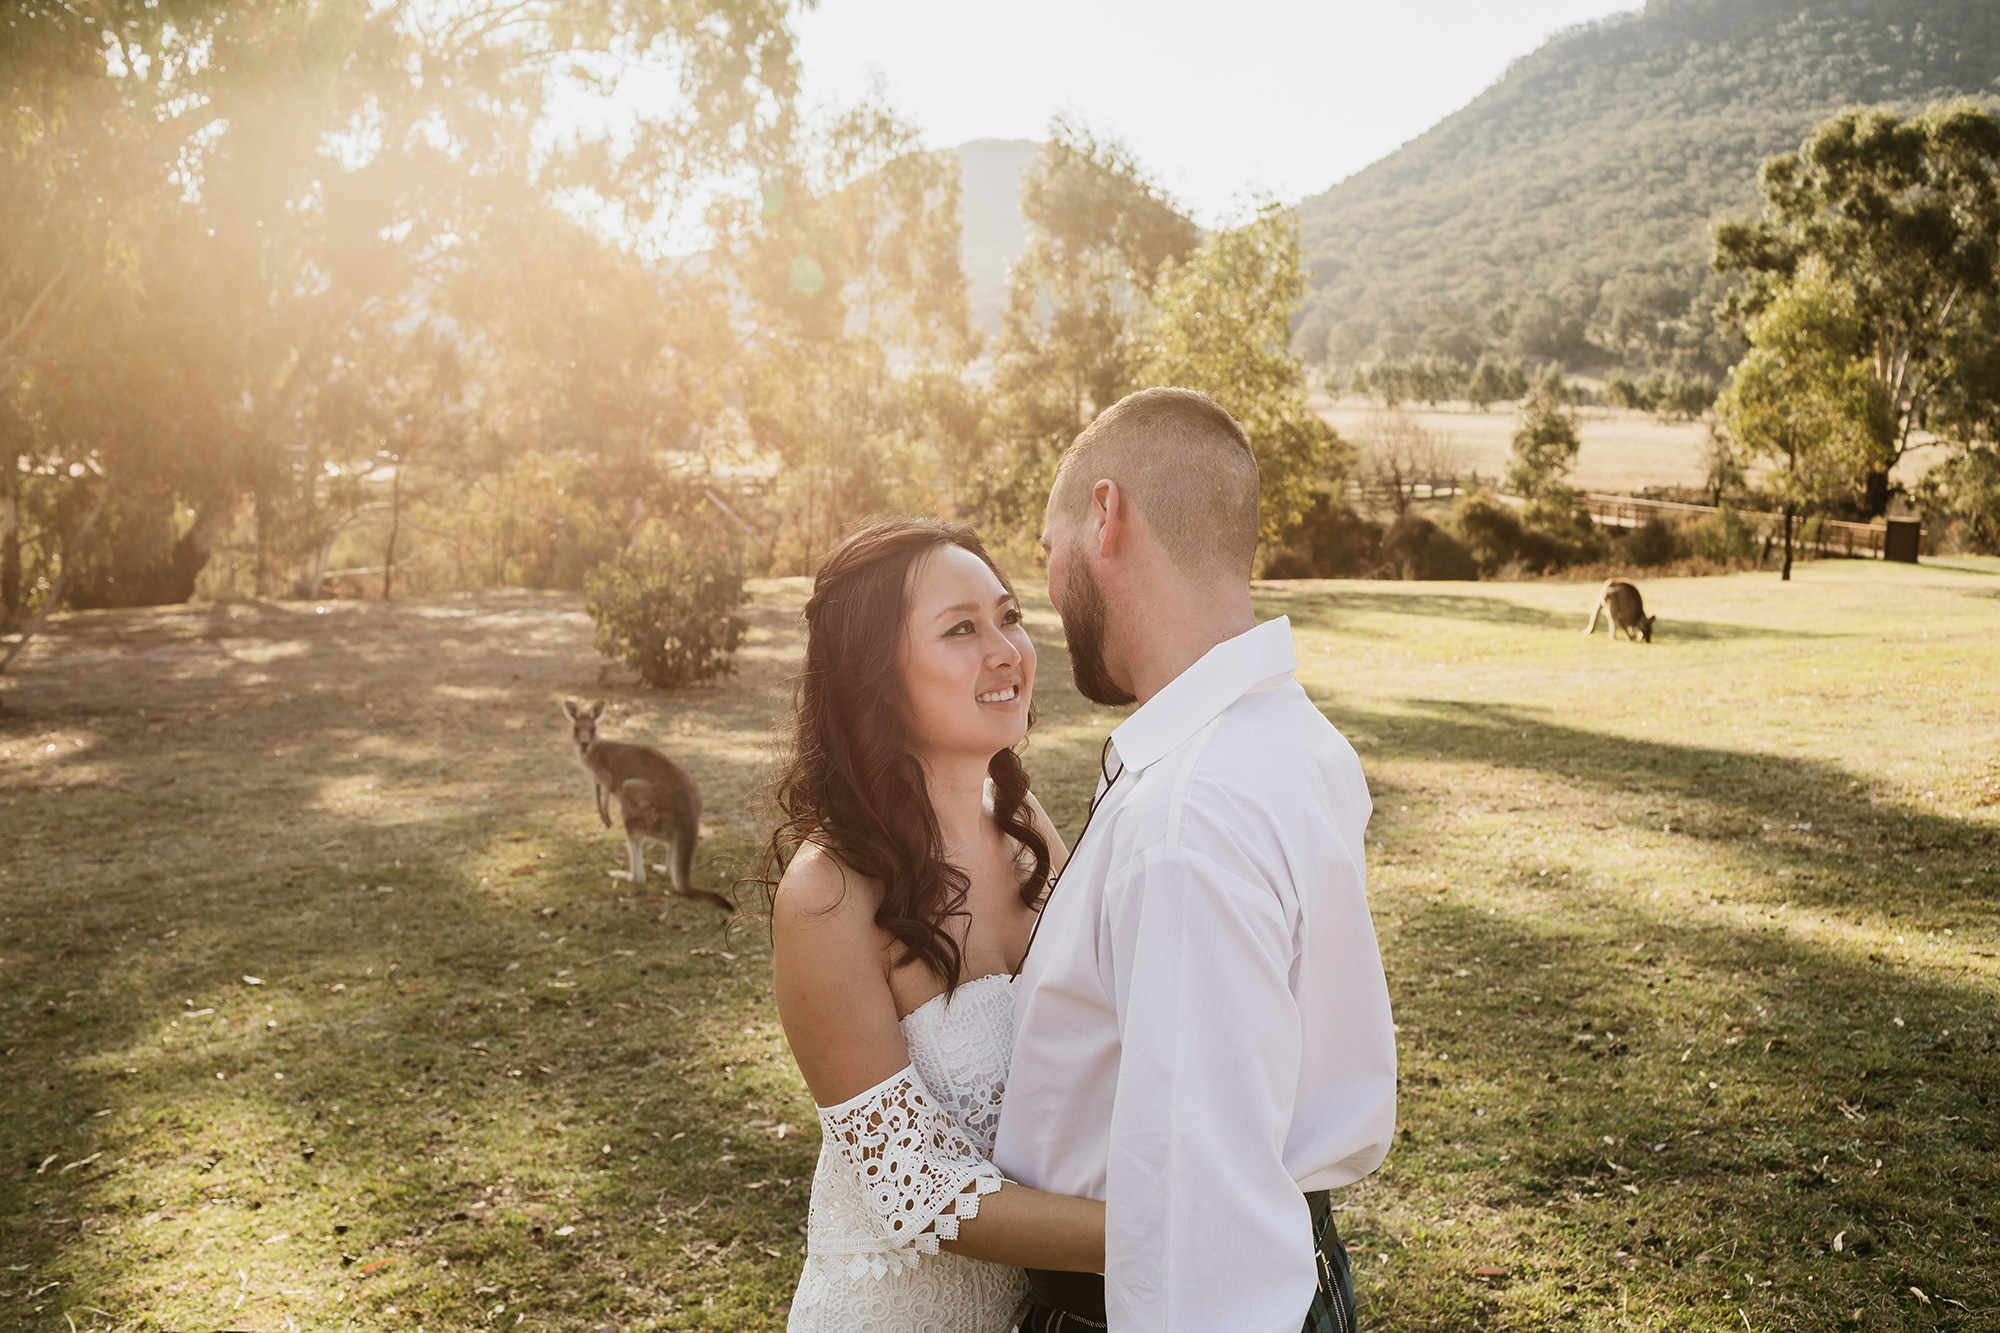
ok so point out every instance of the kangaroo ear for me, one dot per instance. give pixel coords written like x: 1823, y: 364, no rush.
x: 597, y: 710
x: 569, y: 709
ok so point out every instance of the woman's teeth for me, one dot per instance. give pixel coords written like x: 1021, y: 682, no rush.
x: 1000, y: 696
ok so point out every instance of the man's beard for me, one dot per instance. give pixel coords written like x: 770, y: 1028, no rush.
x: 1082, y: 612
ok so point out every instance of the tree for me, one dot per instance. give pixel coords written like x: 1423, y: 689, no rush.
x: 858, y: 308
x: 1403, y: 455
x: 1803, y: 400
x: 1221, y: 322
x: 1905, y: 214
x: 1099, y: 229
x: 1545, y: 442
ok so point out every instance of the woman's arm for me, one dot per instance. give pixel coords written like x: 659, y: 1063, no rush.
x: 829, y: 969
x: 828, y: 960
x: 1034, y: 1229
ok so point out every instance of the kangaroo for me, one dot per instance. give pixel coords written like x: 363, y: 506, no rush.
x: 1624, y: 609
x: 656, y: 799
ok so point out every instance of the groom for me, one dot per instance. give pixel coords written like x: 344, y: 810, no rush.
x: 1202, y: 1033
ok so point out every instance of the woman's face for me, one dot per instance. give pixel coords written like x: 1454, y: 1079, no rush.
x: 968, y: 667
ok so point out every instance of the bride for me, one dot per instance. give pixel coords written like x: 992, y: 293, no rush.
x: 917, y: 858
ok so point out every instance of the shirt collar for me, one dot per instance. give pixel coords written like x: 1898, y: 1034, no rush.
x: 1198, y: 695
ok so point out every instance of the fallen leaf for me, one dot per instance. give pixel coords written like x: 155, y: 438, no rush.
x: 1918, y: 1292
x: 366, y: 1269
x: 565, y: 1231
x: 253, y: 981
x: 282, y: 1235
x: 1489, y: 1270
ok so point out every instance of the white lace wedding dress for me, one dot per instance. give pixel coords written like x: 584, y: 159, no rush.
x: 899, y: 1167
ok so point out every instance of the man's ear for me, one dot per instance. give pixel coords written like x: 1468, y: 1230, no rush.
x: 1110, y: 515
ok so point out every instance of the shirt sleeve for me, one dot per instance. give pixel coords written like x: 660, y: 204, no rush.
x: 1205, y: 1228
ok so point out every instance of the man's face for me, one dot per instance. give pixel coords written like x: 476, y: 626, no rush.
x: 1080, y: 602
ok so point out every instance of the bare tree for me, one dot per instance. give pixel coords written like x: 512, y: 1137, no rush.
x: 1403, y: 455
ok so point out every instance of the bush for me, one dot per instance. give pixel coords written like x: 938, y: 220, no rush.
x: 1561, y: 517
x: 664, y: 605
x: 1416, y: 548
x: 1657, y: 541
x: 1722, y: 537
x: 1330, y: 541
x: 1490, y: 529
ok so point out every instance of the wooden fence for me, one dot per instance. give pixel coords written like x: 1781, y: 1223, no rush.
x: 1828, y: 536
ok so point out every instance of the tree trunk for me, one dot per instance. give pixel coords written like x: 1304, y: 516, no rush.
x: 262, y: 504
x: 1786, y: 576
x: 395, y: 523
x: 10, y: 541
x: 1875, y: 493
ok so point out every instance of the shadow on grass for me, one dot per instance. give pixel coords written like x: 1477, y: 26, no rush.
x: 1333, y: 608
x: 505, y: 1071
x: 1686, y: 1086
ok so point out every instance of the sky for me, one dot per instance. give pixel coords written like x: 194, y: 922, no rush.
x: 1222, y: 102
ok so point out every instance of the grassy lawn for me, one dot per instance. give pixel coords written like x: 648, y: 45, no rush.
x: 320, y: 1010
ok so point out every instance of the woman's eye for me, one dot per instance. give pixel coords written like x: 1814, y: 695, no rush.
x: 1013, y: 616
x: 962, y: 627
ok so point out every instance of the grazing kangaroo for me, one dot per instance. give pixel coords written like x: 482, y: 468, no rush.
x: 1624, y: 609
x: 656, y: 798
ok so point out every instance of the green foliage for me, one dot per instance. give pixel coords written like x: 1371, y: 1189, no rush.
x: 666, y: 606
x: 1328, y: 541
x: 1495, y: 536
x: 1565, y: 211
x: 1099, y: 231
x: 1429, y: 380
x: 1221, y: 322
x: 1657, y: 541
x: 1665, y: 395
x: 1494, y: 381
x: 1966, y: 489
x: 1545, y: 442
x: 1802, y: 398
x: 1725, y: 537
x: 1904, y: 215
x: 1416, y: 548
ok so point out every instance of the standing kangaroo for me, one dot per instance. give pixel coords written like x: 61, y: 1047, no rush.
x: 1625, y: 610
x: 656, y: 798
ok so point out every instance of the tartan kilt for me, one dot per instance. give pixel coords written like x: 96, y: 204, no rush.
x: 1332, y: 1308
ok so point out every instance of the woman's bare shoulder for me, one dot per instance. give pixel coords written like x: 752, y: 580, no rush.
x: 819, y: 887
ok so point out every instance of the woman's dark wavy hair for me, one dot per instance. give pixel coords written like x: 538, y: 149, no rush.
x: 852, y: 782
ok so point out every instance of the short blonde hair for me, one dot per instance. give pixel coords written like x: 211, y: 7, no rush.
x: 1184, y: 462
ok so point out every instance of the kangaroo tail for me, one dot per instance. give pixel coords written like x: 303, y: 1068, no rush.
x: 1591, y: 628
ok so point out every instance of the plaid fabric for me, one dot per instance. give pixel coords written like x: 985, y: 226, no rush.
x: 1332, y: 1309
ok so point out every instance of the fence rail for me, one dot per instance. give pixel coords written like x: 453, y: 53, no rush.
x: 1828, y: 536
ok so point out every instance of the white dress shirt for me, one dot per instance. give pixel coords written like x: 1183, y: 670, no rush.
x: 1202, y: 1026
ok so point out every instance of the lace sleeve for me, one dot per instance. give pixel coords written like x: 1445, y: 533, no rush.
x: 918, y: 1172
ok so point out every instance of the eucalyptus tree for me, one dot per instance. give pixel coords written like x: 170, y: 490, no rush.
x: 1099, y: 230
x: 1803, y: 399
x: 1220, y: 321
x: 1905, y: 214
x: 308, y: 183
x: 856, y: 330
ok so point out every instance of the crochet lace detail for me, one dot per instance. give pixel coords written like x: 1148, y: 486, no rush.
x: 905, y: 1162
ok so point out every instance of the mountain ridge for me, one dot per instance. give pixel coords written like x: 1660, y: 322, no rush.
x: 1563, y: 212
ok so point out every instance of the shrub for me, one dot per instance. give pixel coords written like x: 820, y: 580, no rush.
x: 1490, y: 529
x: 665, y: 605
x: 1562, y: 519
x: 1722, y: 537
x: 1329, y: 541
x: 1657, y: 541
x: 1416, y: 548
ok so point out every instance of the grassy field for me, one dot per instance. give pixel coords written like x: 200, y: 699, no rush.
x: 1622, y: 450
x: 321, y: 1012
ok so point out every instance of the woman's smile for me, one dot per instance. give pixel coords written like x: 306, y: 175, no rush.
x: 1009, y: 693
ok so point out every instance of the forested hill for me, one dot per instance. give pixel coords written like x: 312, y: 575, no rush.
x: 1565, y: 212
